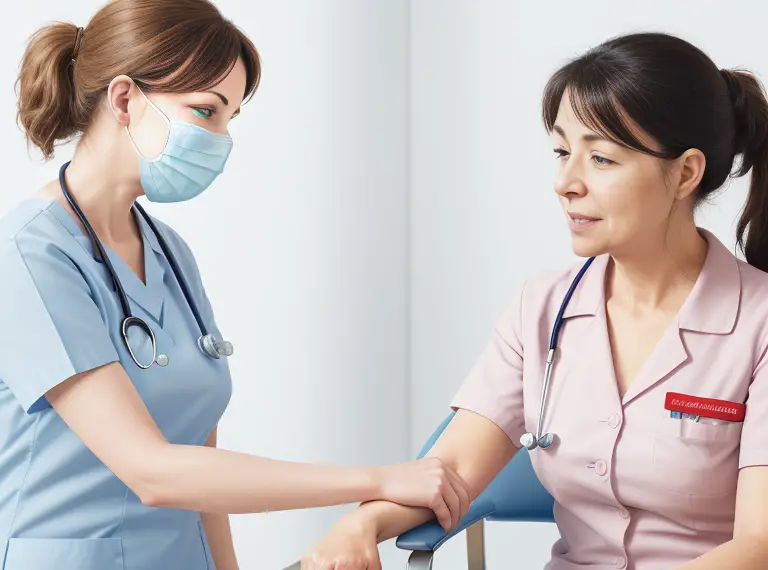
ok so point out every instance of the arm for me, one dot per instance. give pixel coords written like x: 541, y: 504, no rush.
x: 748, y: 549
x: 218, y: 531
x: 104, y: 410
x: 475, y: 447
x: 471, y: 444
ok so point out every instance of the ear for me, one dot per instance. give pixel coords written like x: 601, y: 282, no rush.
x: 123, y: 97
x: 691, y: 164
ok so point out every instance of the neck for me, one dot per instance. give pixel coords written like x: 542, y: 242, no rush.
x: 657, y: 274
x: 104, y: 188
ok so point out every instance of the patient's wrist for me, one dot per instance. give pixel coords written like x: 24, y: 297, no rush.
x: 358, y: 522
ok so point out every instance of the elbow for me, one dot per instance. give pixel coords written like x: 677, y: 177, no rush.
x: 150, y: 479
x: 152, y: 499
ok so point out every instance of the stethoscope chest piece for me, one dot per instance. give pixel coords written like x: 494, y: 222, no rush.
x: 529, y: 441
x: 214, y: 348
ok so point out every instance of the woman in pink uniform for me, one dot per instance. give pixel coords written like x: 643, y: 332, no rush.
x: 659, y: 393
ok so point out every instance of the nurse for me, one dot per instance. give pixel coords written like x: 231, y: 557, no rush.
x: 644, y: 127
x: 108, y: 459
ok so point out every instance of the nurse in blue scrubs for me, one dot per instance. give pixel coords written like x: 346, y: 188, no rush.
x: 108, y: 457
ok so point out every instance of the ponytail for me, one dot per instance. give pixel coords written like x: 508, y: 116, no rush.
x: 46, y: 90
x: 751, y: 115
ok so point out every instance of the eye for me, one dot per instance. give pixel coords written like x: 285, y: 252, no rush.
x: 204, y: 112
x: 561, y: 152
x: 602, y: 161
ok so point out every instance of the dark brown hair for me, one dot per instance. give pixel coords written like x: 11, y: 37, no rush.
x: 173, y: 46
x: 676, y: 94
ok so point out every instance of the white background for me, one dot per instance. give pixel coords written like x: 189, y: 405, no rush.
x: 390, y: 186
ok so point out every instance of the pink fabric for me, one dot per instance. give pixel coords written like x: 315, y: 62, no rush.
x: 633, y: 487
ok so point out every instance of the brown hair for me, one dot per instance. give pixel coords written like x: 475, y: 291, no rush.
x: 173, y: 46
x: 674, y: 92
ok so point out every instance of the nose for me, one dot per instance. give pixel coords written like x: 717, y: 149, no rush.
x: 569, y: 183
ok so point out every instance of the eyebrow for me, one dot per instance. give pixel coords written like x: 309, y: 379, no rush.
x: 590, y: 137
x: 225, y: 101
x: 220, y: 96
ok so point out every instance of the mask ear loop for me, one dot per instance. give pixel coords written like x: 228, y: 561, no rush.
x: 167, y: 136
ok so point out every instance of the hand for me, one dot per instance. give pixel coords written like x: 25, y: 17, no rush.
x: 427, y: 483
x: 349, y: 546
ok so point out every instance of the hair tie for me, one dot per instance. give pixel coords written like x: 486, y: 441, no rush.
x: 78, y: 40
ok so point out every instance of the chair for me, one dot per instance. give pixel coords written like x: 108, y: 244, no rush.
x: 514, y: 495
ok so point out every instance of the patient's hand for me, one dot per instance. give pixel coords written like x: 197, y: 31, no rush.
x: 350, y: 545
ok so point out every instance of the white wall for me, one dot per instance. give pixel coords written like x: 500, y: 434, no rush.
x: 313, y: 207
x: 483, y: 210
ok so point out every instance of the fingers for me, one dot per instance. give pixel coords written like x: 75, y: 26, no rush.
x: 442, y: 512
x: 370, y: 561
x: 461, y: 490
x: 451, y: 498
x: 374, y: 562
x: 452, y: 495
x: 462, y: 493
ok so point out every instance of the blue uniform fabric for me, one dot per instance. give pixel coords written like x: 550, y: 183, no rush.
x: 60, y: 506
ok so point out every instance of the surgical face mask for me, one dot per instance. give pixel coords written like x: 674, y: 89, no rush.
x: 190, y: 161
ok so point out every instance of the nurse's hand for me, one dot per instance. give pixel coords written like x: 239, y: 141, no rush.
x: 349, y: 546
x: 427, y: 483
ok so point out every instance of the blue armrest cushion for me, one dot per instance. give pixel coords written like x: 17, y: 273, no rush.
x: 431, y: 536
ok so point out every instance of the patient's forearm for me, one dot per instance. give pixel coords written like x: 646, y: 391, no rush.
x: 389, y: 520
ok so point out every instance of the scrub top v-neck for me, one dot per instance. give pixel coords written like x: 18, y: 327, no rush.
x: 60, y: 506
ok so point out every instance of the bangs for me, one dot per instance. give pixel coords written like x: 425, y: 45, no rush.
x: 205, y: 61
x: 598, y: 103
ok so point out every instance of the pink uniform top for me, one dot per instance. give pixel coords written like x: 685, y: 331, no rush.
x: 633, y: 487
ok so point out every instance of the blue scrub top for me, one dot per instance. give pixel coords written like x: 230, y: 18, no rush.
x: 60, y: 507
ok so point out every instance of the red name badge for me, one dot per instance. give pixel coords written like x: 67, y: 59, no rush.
x: 705, y: 407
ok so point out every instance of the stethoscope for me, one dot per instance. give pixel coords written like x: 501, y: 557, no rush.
x: 528, y: 440
x: 207, y: 342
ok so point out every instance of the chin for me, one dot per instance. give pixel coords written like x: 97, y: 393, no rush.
x: 585, y: 246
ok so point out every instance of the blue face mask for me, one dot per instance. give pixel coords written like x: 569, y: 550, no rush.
x: 190, y: 161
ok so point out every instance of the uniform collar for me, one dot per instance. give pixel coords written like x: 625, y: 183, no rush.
x: 711, y: 307
x: 149, y: 295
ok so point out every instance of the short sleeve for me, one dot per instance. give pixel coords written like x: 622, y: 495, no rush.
x: 494, y: 386
x: 754, y: 444
x: 50, y: 326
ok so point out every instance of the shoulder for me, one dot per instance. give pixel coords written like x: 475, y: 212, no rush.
x: 540, y: 296
x: 753, y: 304
x: 754, y: 283
x: 30, y: 229
x: 549, y: 287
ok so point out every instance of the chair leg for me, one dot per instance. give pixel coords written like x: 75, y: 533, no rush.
x: 420, y: 560
x: 476, y: 546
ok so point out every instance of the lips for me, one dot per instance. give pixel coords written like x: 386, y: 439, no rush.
x: 576, y: 217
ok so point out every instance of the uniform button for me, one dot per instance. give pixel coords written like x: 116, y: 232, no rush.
x: 600, y: 467
x: 614, y: 421
x: 162, y: 359
x: 623, y: 513
x: 621, y: 561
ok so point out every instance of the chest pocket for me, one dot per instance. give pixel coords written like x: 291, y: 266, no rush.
x: 696, y: 458
x: 64, y: 554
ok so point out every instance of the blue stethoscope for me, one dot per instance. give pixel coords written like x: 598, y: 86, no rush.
x: 529, y: 440
x: 207, y: 342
